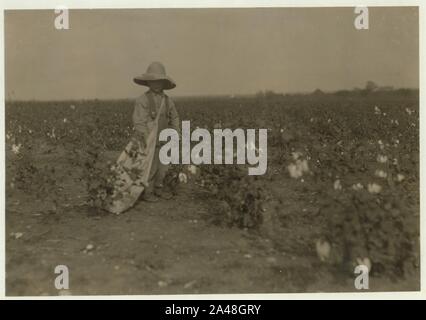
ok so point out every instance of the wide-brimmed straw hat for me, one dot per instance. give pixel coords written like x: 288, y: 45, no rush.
x: 155, y: 71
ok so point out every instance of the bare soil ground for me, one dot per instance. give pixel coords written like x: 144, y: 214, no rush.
x: 170, y: 247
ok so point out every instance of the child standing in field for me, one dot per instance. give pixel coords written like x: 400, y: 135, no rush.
x: 146, y: 112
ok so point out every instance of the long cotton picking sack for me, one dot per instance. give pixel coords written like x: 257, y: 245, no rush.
x: 132, y: 171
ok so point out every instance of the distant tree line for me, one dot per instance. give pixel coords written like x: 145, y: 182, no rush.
x: 370, y: 88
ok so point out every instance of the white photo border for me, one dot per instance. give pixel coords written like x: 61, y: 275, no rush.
x: 128, y: 4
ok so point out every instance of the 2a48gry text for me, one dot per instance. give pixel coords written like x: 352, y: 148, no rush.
x: 229, y: 309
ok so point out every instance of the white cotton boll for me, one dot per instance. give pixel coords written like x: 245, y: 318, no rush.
x: 381, y: 174
x: 294, y: 171
x: 17, y: 235
x: 357, y: 186
x: 183, y: 178
x: 192, y: 169
x: 377, y: 110
x: 400, y: 177
x: 374, y: 188
x: 382, y: 158
x: 381, y: 144
x: 337, y: 185
x: 323, y: 249
x: 296, y: 155
x: 303, y: 165
x: 365, y: 262
x: 16, y: 148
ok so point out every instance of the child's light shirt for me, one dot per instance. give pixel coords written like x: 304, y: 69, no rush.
x: 144, y: 117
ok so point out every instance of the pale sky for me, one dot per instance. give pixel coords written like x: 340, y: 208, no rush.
x: 208, y: 51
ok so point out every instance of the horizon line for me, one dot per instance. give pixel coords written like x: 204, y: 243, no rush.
x: 207, y: 95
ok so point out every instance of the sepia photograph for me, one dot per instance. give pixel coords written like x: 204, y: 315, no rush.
x: 190, y: 151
